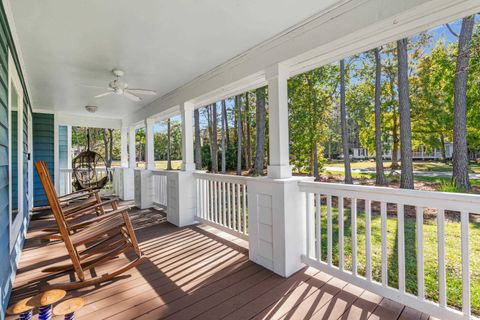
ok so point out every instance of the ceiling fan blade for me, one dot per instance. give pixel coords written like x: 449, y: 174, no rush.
x: 103, y: 94
x: 143, y: 91
x: 131, y: 96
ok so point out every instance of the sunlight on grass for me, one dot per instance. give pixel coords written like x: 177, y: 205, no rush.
x: 452, y: 245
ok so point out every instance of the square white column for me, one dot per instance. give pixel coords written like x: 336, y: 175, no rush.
x: 186, y: 109
x: 279, y: 166
x: 132, y: 160
x: 149, y: 145
x: 124, y: 147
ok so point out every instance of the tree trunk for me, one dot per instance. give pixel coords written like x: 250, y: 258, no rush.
x: 223, y: 137
x: 380, y: 175
x: 260, y: 120
x: 225, y: 119
x: 214, y: 139
x: 249, y: 133
x: 343, y: 123
x: 394, y: 165
x: 444, y: 151
x: 110, y: 156
x: 198, y: 147
x: 238, y: 103
x: 406, y: 177
x: 169, y: 145
x: 460, y: 149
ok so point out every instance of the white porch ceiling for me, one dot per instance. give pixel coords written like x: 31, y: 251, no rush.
x: 68, y: 45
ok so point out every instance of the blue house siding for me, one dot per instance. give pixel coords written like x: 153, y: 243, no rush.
x: 8, y: 258
x: 43, y: 149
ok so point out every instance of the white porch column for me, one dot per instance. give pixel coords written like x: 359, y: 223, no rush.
x: 124, y: 147
x: 149, y: 145
x: 132, y: 160
x: 186, y: 109
x: 279, y: 166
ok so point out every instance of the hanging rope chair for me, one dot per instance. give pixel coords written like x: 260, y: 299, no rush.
x: 85, y: 169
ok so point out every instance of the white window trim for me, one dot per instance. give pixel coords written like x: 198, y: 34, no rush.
x: 14, y: 80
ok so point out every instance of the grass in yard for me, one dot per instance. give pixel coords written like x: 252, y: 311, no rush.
x: 452, y: 245
x: 434, y: 166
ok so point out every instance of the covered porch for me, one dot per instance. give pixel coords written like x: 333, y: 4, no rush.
x: 230, y: 246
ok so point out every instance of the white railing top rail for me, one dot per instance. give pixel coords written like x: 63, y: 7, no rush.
x: 159, y: 172
x: 447, y: 200
x: 223, y: 177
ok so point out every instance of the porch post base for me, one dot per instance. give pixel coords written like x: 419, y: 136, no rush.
x: 190, y: 166
x: 143, y: 189
x: 279, y: 171
x: 181, y: 199
x: 277, y: 224
x: 125, y: 183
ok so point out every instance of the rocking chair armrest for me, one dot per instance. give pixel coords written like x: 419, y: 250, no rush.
x: 92, y: 207
x: 89, y: 190
x: 99, y: 218
x: 78, y: 196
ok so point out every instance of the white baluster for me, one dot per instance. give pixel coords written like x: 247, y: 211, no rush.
x: 401, y: 247
x: 465, y: 223
x: 341, y: 239
x: 442, y: 291
x: 354, y: 235
x: 329, y: 230
x: 420, y: 254
x: 368, y: 239
x: 383, y: 216
x: 318, y: 227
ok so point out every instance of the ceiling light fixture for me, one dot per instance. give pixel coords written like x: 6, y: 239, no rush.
x: 91, y: 109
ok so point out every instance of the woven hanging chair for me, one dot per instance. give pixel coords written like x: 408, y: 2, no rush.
x: 85, y: 173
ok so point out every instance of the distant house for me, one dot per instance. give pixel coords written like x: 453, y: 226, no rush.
x: 420, y: 153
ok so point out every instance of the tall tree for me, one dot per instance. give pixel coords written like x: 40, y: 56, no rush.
x: 198, y: 145
x: 380, y: 176
x: 224, y: 109
x: 169, y: 145
x: 460, y: 150
x: 248, y: 131
x: 406, y: 177
x: 260, y: 126
x: 225, y: 122
x: 343, y: 121
x: 238, y: 104
x: 213, y: 141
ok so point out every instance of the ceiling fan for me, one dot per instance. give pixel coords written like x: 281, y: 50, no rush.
x: 120, y: 87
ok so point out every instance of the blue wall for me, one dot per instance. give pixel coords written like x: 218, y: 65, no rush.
x: 9, y: 258
x: 43, y: 149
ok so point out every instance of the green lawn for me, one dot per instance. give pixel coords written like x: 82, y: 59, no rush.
x: 417, y: 165
x: 453, y: 256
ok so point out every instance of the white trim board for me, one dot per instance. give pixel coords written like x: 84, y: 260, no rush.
x: 14, y: 80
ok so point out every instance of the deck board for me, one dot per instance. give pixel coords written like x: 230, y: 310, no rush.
x: 202, y: 273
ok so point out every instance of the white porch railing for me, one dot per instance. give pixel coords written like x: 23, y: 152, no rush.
x: 160, y: 186
x: 328, y: 204
x: 222, y: 202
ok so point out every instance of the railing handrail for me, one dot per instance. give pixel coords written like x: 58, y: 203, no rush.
x: 223, y: 177
x: 159, y: 172
x: 447, y: 200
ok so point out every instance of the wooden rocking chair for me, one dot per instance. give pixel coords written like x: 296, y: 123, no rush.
x: 95, y: 244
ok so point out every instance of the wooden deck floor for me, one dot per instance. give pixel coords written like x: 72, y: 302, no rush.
x: 200, y: 273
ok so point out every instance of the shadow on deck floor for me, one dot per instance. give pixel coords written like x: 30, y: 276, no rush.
x: 199, y: 272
